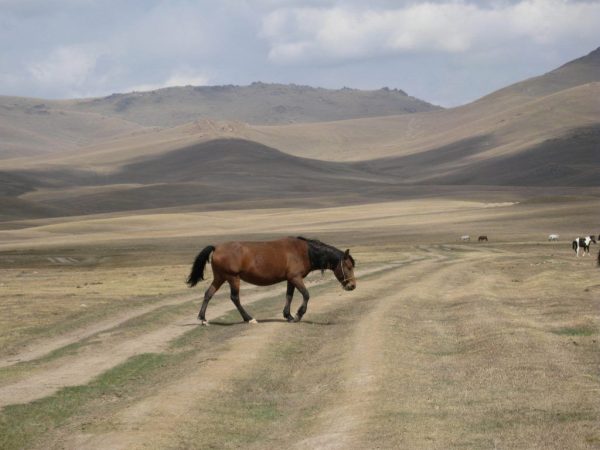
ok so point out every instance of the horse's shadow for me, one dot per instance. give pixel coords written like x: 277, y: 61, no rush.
x: 221, y: 323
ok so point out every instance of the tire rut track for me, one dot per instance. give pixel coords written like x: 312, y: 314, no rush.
x: 456, y: 367
x: 342, y: 425
x: 160, y: 416
x: 83, y: 367
x: 38, y: 350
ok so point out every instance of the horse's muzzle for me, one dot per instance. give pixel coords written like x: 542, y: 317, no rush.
x: 349, y: 287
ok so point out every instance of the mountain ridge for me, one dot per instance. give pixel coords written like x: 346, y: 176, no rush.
x: 257, y: 103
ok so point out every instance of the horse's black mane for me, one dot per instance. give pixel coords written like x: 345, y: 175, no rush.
x: 323, y: 256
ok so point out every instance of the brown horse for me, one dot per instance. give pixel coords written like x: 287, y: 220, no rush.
x: 267, y: 263
x: 482, y: 238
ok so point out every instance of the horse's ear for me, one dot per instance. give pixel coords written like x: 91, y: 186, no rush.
x: 347, y: 253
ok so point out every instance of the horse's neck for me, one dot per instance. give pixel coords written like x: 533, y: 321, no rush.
x: 329, y: 259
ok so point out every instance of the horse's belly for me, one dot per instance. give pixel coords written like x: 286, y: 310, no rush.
x: 261, y: 280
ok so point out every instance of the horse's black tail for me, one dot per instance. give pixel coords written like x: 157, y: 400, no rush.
x: 197, y: 272
x: 574, y: 245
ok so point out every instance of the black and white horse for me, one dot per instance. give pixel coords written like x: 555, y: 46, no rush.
x: 583, y: 243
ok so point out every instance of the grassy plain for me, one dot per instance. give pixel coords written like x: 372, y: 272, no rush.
x: 444, y: 344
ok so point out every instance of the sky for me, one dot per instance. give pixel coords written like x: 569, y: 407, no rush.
x: 447, y: 52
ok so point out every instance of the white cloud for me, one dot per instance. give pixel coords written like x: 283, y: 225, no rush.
x: 548, y: 21
x: 187, y: 77
x: 451, y: 50
x: 340, y: 33
x: 65, y: 66
x: 182, y: 77
x: 32, y: 8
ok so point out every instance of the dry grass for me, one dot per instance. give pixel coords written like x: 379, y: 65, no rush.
x: 46, y: 294
x: 451, y: 345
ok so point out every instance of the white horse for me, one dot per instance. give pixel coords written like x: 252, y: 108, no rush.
x: 465, y: 238
x: 583, y: 243
x: 553, y: 237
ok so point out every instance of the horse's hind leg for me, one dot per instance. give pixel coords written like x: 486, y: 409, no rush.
x: 288, y: 302
x: 234, y: 283
x: 214, y: 287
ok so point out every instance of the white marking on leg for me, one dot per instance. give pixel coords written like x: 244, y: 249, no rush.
x: 253, y: 321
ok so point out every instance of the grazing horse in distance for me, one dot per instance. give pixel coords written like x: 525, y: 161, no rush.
x: 266, y: 263
x: 482, y: 238
x: 583, y: 243
x: 465, y: 238
x: 553, y: 237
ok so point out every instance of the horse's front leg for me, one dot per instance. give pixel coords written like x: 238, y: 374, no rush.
x: 299, y: 284
x: 288, y: 302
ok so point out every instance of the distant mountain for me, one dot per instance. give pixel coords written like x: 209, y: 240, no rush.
x: 258, y: 103
x: 31, y: 126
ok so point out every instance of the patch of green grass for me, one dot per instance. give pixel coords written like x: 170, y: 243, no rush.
x: 582, y: 330
x: 510, y: 419
x: 404, y: 416
x: 592, y: 439
x: 135, y: 325
x: 10, y: 373
x: 21, y: 425
x: 575, y: 416
x: 453, y: 351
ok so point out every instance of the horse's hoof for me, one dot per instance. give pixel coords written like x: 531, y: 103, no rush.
x: 204, y: 323
x: 290, y: 319
x: 253, y: 321
x: 297, y: 318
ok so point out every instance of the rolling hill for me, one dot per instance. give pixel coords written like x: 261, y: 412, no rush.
x: 542, y: 132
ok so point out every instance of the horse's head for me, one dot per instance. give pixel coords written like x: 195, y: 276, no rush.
x: 592, y: 239
x: 344, y: 272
